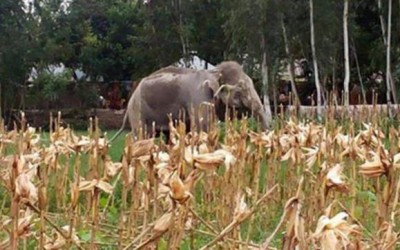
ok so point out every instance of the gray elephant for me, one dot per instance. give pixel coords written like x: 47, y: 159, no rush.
x: 172, y: 90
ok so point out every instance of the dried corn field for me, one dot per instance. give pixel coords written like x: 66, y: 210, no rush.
x: 303, y: 185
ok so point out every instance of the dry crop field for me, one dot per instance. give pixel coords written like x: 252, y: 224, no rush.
x: 302, y: 185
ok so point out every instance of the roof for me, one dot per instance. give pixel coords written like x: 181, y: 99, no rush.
x: 194, y: 62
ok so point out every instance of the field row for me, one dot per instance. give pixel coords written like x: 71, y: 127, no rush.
x: 300, y: 185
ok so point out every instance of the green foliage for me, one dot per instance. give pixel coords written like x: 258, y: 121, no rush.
x: 52, y: 84
x: 16, y: 53
x: 126, y: 40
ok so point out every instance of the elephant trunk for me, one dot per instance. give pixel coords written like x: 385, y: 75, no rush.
x: 262, y: 116
x: 259, y: 111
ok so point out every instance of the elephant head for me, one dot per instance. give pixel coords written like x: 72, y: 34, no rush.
x: 236, y: 89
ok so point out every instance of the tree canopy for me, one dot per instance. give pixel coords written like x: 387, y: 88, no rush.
x: 128, y: 39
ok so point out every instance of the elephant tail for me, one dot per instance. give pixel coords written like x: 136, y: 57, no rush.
x: 122, y: 127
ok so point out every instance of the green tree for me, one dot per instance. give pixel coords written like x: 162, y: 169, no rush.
x: 15, y: 50
x: 254, y: 35
x: 48, y: 85
x: 206, y: 24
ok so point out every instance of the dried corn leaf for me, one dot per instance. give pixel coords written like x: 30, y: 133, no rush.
x: 25, y: 189
x: 164, y: 222
x: 178, y: 191
x: 241, y: 209
x: 142, y: 148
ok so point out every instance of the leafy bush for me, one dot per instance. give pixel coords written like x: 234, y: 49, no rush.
x: 49, y: 85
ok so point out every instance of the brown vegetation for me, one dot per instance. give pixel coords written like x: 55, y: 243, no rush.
x: 303, y: 180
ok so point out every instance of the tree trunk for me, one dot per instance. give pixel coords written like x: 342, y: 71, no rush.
x: 185, y: 54
x: 275, y: 99
x: 315, y: 63
x: 264, y: 70
x: 290, y: 64
x: 274, y: 71
x: 383, y: 30
x: 335, y: 91
x: 359, y: 73
x: 1, y: 102
x: 346, y: 82
x: 388, y: 71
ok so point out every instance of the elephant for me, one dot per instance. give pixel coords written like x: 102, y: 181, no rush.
x: 172, y: 90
